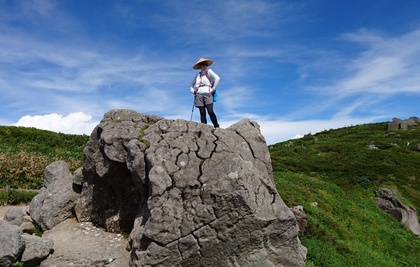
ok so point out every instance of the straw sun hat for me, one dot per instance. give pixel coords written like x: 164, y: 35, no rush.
x: 201, y: 60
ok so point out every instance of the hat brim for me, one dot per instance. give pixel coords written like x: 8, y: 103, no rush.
x: 197, y: 65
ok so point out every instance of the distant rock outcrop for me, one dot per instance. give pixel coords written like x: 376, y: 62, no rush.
x: 398, y: 124
x: 188, y: 194
x: 387, y: 201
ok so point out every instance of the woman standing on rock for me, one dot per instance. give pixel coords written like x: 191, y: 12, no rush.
x: 203, y: 86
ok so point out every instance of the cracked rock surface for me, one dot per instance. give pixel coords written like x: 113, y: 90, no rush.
x: 187, y: 194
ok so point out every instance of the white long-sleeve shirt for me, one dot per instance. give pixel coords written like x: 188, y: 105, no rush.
x: 201, y: 83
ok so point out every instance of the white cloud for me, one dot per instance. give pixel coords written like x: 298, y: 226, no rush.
x: 274, y: 131
x: 73, y: 123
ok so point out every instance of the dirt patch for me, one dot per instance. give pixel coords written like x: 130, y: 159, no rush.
x: 82, y: 244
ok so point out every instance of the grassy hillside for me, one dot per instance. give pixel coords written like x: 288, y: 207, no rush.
x: 25, y: 152
x: 333, y: 175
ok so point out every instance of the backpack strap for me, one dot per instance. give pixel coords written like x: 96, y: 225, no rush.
x: 215, y: 94
x: 208, y: 77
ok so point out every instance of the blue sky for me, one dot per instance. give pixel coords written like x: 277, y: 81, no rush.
x: 295, y: 67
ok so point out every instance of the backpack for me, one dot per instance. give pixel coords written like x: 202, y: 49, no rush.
x: 215, y: 94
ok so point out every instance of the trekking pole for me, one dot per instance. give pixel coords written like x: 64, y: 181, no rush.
x: 192, y: 111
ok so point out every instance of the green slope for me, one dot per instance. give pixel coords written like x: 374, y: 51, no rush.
x: 333, y: 175
x: 25, y: 152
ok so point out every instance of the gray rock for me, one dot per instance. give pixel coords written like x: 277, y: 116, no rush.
x: 111, y: 193
x: 394, y: 125
x: 36, y: 249
x: 387, y: 201
x: 188, y: 195
x: 212, y: 196
x: 300, y: 217
x: 11, y: 243
x: 27, y: 227
x: 398, y: 124
x: 15, y: 216
x: 78, y: 176
x: 56, y: 199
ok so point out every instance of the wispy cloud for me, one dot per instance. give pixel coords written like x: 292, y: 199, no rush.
x: 56, y: 61
x: 235, y: 19
x: 387, y: 66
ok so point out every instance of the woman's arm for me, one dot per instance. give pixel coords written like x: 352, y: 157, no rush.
x: 192, y: 84
x: 215, y: 78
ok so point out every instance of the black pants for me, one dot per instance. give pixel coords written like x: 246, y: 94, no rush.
x: 211, y: 113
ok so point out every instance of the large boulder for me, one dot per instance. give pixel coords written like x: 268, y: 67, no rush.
x: 56, y: 199
x: 188, y: 194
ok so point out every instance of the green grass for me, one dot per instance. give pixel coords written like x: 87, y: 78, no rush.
x: 41, y: 142
x: 334, y: 175
x: 25, y: 152
x: 344, y: 155
x: 16, y: 197
x: 345, y: 227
